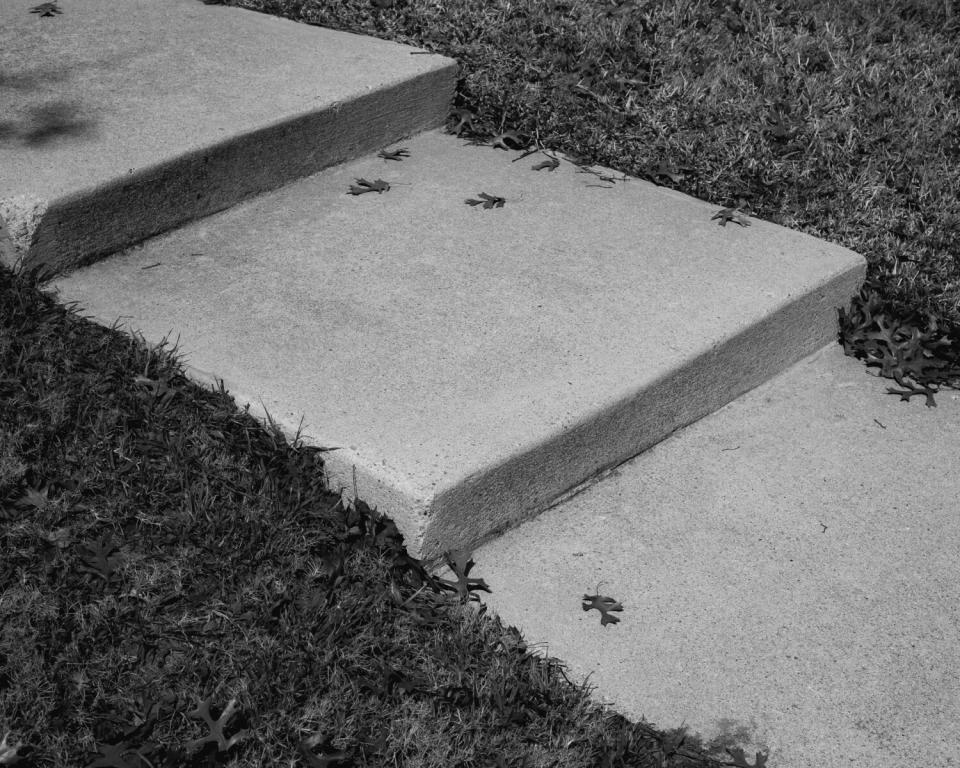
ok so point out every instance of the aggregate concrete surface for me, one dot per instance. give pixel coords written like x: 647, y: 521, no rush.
x: 787, y: 568
x: 474, y: 364
x: 121, y: 120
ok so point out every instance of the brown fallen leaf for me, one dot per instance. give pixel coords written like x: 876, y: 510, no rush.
x: 377, y: 186
x: 730, y: 214
x: 397, y: 154
x: 46, y: 9
x: 491, y: 201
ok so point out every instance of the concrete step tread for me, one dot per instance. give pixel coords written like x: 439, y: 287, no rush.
x: 117, y: 121
x: 474, y: 364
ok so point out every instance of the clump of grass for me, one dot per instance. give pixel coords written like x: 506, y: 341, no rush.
x: 180, y: 587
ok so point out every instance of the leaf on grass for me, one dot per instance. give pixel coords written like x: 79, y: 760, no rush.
x: 460, y: 563
x: 604, y: 605
x: 397, y: 154
x: 489, y: 201
x: 551, y: 165
x: 46, y: 9
x: 100, y: 560
x: 740, y: 760
x: 325, y: 760
x: 377, y: 186
x: 511, y: 140
x: 780, y: 127
x: 913, y: 359
x: 664, y: 170
x: 216, y: 735
x: 113, y: 756
x: 730, y: 214
x: 465, y: 120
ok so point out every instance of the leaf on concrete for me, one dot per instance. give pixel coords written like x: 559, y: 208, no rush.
x: 461, y: 563
x: 551, y: 165
x: 730, y: 214
x: 46, y: 9
x: 740, y: 759
x: 397, y: 154
x: 362, y: 186
x: 511, y: 140
x: 489, y: 201
x: 603, y: 604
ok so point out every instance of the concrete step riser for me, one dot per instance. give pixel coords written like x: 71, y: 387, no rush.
x: 523, y: 487
x: 88, y: 226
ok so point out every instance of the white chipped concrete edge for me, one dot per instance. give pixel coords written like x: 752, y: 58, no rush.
x: 20, y: 218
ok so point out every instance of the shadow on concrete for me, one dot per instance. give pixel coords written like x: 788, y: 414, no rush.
x: 43, y: 123
x: 46, y: 123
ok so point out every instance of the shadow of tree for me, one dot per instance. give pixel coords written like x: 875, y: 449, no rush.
x: 46, y: 122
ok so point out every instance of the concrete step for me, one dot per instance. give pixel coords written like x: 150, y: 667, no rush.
x: 120, y: 123
x: 473, y: 365
x: 787, y: 573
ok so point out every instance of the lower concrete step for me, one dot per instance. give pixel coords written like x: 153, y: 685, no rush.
x: 786, y: 569
x: 121, y: 122
x: 475, y: 363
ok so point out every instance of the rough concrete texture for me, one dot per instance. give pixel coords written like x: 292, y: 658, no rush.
x: 474, y: 364
x: 787, y: 569
x: 121, y: 122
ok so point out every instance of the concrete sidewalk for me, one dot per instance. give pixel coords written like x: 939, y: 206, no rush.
x: 787, y: 569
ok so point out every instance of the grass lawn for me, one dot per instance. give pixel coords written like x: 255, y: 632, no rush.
x: 180, y: 588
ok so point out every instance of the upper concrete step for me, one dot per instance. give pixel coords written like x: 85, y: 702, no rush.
x: 121, y: 122
x: 474, y: 364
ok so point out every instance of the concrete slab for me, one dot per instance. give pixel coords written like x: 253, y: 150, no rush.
x: 121, y: 122
x: 787, y: 569
x: 473, y: 365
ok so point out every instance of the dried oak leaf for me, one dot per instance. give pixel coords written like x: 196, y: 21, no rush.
x: 98, y: 559
x: 114, y: 756
x: 913, y: 359
x: 604, y: 605
x: 730, y: 214
x: 491, y: 201
x: 465, y: 120
x: 740, y: 760
x: 46, y: 9
x: 216, y: 735
x: 327, y: 760
x: 654, y: 172
x: 397, y: 154
x: 377, y: 186
x: 551, y: 165
x: 510, y: 140
x: 461, y: 563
